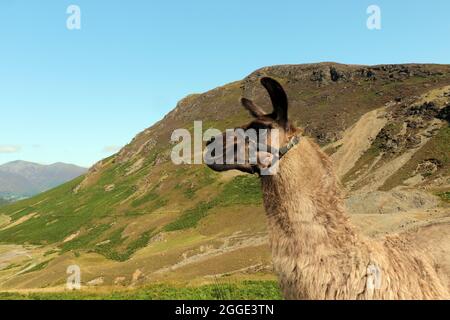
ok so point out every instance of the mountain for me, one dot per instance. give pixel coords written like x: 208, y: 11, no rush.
x: 136, y: 218
x: 24, y: 179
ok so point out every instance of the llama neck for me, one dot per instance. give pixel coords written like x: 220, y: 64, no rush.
x: 307, y: 222
x: 304, y: 196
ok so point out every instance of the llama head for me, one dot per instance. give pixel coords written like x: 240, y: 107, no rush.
x: 254, y: 147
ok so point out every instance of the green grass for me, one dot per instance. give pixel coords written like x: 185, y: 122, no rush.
x: 442, y: 145
x: 247, y: 290
x: 151, y: 196
x: 109, y: 250
x: 86, y: 239
x: 198, y: 178
x: 191, y: 217
x: 243, y: 190
x: 137, y: 244
x: 445, y: 196
x: 56, y: 220
x: 189, y: 193
x: 152, y: 201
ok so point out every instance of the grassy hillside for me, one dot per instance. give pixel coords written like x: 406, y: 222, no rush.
x: 136, y: 217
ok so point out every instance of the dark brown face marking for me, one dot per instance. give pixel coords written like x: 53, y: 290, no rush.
x: 278, y: 120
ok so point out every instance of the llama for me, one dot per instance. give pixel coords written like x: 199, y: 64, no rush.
x: 316, y: 251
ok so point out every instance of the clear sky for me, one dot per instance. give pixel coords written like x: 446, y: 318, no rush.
x: 76, y: 95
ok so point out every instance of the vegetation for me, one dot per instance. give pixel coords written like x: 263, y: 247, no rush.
x: 151, y: 196
x: 88, y: 214
x: 445, y: 196
x: 83, y: 241
x: 244, y: 190
x: 109, y: 249
x: 436, y: 149
x: 247, y: 290
x: 38, y: 267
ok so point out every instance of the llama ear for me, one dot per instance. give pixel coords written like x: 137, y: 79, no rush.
x: 254, y: 110
x: 279, y: 100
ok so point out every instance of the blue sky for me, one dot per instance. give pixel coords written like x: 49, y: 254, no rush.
x: 75, y: 95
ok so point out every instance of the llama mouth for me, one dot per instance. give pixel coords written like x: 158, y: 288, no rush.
x: 217, y: 163
x: 241, y: 167
x: 261, y: 162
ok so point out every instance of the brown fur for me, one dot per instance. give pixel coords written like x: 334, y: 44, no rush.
x: 316, y: 251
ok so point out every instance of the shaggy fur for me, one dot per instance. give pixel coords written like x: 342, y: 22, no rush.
x: 316, y: 251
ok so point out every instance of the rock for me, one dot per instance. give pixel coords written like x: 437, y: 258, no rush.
x: 427, y: 167
x: 336, y: 75
x: 96, y: 282
x: 444, y: 113
x: 103, y: 242
x: 71, y: 237
x: 161, y: 158
x: 120, y: 281
x: 414, y: 181
x: 413, y: 142
x: 368, y: 74
x: 318, y: 76
x: 137, y: 275
x: 158, y: 238
x: 427, y: 110
x: 109, y: 187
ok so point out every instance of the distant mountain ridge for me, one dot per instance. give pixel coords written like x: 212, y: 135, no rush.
x: 20, y: 179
